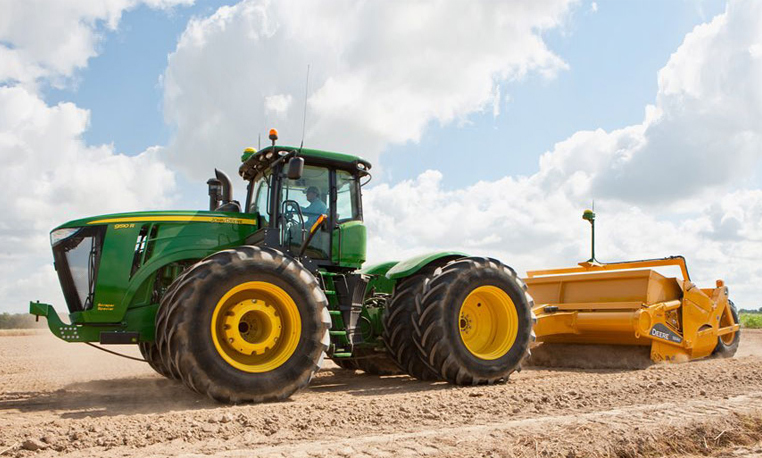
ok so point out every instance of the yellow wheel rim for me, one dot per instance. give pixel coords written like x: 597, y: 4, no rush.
x: 488, y: 322
x: 728, y: 339
x: 256, y: 326
x: 727, y: 320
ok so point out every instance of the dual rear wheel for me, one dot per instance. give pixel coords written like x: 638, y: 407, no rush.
x: 468, y: 322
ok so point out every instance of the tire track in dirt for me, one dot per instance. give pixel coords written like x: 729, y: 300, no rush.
x: 500, y: 436
x: 74, y: 401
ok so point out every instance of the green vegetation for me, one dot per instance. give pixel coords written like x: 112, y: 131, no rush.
x: 19, y: 321
x: 752, y: 320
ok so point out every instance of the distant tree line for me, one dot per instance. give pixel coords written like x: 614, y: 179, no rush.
x: 19, y: 321
x: 759, y: 310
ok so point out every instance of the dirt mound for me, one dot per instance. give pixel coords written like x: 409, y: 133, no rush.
x: 581, y: 356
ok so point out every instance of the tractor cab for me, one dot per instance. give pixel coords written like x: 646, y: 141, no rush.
x: 307, y: 202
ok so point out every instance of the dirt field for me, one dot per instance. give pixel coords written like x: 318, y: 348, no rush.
x: 71, y: 400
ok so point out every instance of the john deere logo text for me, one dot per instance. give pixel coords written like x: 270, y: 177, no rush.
x: 662, y: 332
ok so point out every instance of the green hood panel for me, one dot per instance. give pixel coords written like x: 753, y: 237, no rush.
x: 410, y: 266
x: 164, y: 216
x: 137, y: 245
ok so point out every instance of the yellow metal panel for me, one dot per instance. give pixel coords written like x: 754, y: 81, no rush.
x: 586, y: 267
x: 644, y: 286
x: 599, y: 306
x: 661, y: 289
x: 728, y: 329
x: 623, y: 322
x: 588, y: 326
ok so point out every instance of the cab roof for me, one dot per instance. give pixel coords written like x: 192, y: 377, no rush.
x: 265, y: 158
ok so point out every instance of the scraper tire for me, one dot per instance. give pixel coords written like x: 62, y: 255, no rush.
x: 728, y: 347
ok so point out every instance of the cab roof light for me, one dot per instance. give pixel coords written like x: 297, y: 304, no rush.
x: 273, y: 135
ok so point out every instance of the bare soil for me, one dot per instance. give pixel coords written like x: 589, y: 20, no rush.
x: 72, y: 400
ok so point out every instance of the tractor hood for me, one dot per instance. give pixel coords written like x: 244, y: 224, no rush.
x: 107, y: 262
x: 162, y: 216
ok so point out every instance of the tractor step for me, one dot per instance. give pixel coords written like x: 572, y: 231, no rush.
x: 119, y: 338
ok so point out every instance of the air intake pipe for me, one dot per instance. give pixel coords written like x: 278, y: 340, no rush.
x: 227, y: 188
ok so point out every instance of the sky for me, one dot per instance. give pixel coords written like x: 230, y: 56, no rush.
x: 491, y: 125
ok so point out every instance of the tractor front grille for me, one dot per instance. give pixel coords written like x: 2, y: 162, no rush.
x: 77, y: 258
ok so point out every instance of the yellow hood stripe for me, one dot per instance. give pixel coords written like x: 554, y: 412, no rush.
x: 177, y: 219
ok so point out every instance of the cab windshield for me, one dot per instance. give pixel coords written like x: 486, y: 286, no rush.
x: 302, y: 203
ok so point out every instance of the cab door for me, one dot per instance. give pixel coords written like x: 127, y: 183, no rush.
x: 349, y: 233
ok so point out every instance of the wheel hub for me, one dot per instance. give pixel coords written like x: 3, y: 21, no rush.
x: 256, y: 326
x: 488, y: 322
x: 252, y: 326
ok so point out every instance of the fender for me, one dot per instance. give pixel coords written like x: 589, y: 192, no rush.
x: 378, y: 282
x: 378, y: 269
x: 410, y: 266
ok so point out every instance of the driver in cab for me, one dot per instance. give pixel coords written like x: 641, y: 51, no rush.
x: 316, y: 207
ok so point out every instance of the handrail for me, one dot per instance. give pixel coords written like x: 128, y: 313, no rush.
x: 625, y: 265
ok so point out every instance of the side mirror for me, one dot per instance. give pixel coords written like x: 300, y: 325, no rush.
x: 295, y: 168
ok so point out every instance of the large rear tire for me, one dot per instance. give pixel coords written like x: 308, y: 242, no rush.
x: 399, y: 329
x: 727, y: 345
x: 151, y: 352
x: 245, y: 325
x: 152, y: 356
x: 474, y: 321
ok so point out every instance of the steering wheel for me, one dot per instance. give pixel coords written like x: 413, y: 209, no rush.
x: 293, y: 222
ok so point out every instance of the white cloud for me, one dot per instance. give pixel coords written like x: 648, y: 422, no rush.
x: 52, y: 176
x: 278, y: 104
x: 381, y: 71
x: 669, y: 185
x: 49, y: 173
x: 496, y: 102
x: 51, y: 39
x: 707, y: 123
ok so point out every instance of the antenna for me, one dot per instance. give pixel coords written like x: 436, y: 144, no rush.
x: 589, y: 216
x: 259, y: 142
x: 306, y: 94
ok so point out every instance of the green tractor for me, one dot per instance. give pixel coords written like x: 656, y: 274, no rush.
x: 244, y: 303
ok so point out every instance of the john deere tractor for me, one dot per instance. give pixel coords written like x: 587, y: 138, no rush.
x: 244, y: 302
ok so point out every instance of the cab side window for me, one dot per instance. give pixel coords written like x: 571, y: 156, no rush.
x: 262, y: 200
x: 346, y: 197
